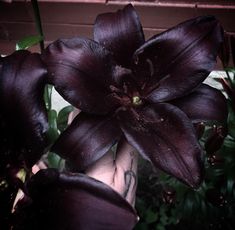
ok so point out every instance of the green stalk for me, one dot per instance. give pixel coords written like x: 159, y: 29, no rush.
x: 38, y: 22
x: 48, y: 96
x: 48, y: 88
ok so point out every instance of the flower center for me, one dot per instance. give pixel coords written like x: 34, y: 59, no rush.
x: 136, y: 100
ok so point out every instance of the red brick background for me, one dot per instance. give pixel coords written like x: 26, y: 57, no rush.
x: 63, y: 19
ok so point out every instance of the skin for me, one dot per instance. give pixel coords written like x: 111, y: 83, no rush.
x: 120, y: 173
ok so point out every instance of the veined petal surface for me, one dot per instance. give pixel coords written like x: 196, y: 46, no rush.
x: 164, y: 135
x: 75, y: 201
x: 204, y: 104
x: 178, y: 59
x: 23, y: 113
x: 81, y: 71
x: 87, y: 139
x: 120, y: 32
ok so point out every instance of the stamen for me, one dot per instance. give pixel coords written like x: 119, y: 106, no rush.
x: 136, y: 100
x: 115, y: 96
x: 125, y: 88
x: 115, y: 89
x: 136, y: 115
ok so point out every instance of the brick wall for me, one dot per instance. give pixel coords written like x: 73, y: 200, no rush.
x: 71, y: 18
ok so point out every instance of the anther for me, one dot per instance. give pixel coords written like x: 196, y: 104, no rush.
x: 136, y: 100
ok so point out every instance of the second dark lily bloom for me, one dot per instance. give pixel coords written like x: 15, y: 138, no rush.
x: 149, y: 91
x: 23, y: 119
x: 23, y: 124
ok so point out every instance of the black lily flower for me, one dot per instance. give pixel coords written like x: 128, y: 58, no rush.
x: 23, y: 120
x: 150, y: 92
x: 72, y: 201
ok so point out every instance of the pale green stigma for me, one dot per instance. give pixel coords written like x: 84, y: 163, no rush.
x: 136, y: 100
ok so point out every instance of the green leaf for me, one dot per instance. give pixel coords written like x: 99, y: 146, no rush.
x: 151, y: 216
x: 175, y: 216
x: 160, y: 227
x: 62, y: 120
x: 52, y: 117
x: 230, y: 69
x: 188, y: 205
x: 53, y: 160
x: 28, y: 42
x: 219, y: 172
x: 142, y: 226
x: 230, y: 143
x: 230, y: 185
x: 47, y: 96
x: 52, y: 131
x: 141, y: 206
x: 231, y: 122
x: 203, y: 207
x: 163, y: 215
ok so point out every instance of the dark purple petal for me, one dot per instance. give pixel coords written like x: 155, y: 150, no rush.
x: 81, y: 71
x: 204, y: 104
x: 87, y: 139
x: 120, y: 32
x: 176, y: 61
x: 23, y: 114
x: 75, y: 202
x: 215, y: 139
x: 165, y: 136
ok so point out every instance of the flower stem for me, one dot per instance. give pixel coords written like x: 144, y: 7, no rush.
x: 38, y: 22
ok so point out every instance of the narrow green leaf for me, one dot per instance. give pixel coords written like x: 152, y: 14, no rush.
x: 53, y: 160
x: 53, y: 131
x: 231, y: 122
x: 203, y: 207
x: 230, y: 69
x: 62, y: 119
x: 52, y: 117
x: 230, y: 143
x: 47, y: 96
x: 28, y: 42
x: 230, y: 185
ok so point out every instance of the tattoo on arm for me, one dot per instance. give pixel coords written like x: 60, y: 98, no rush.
x: 130, y: 178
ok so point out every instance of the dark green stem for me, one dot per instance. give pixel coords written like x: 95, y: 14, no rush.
x: 48, y: 96
x: 48, y: 88
x: 38, y: 22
